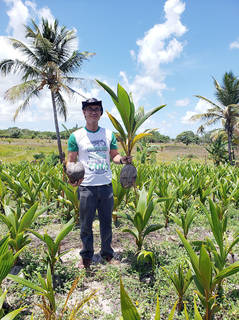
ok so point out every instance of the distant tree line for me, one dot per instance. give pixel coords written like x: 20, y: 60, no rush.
x: 186, y: 137
x: 17, y: 133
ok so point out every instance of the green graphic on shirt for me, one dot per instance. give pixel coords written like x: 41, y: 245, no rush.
x: 97, y: 159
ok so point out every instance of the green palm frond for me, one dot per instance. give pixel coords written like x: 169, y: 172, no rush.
x: 19, y: 67
x: 61, y: 104
x: 63, y: 42
x: 213, y: 121
x: 21, y: 90
x: 45, y: 51
x: 26, y: 70
x: 227, y: 95
x: 6, y: 66
x: 30, y: 72
x: 75, y: 92
x: 29, y: 32
x: 207, y: 100
x: 70, y: 79
x: 25, y: 104
x: 17, y: 44
x: 65, y: 88
x: 204, y: 116
x: 74, y: 62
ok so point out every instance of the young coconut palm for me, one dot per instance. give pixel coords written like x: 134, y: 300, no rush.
x: 50, y: 61
x: 226, y: 111
x: 132, y: 120
x: 130, y: 312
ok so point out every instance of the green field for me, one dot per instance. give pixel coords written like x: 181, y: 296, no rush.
x: 196, y: 189
x: 13, y: 150
x: 23, y: 149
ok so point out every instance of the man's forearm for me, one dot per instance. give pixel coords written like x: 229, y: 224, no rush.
x: 117, y: 159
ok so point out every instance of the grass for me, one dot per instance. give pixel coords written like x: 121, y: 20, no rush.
x: 14, y: 150
x: 176, y: 151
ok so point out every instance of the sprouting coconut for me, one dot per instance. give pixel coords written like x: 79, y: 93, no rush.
x: 75, y: 171
x: 128, y: 176
x: 132, y: 121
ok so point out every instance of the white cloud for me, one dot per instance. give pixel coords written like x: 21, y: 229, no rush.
x: 183, y: 102
x: 21, y: 12
x: 201, y: 107
x: 7, y: 51
x: 158, y: 46
x: 187, y: 117
x: 46, y: 14
x: 234, y: 45
x: 142, y: 85
x: 18, y: 16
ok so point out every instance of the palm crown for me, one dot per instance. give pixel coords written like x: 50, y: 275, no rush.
x: 227, y: 112
x: 50, y: 61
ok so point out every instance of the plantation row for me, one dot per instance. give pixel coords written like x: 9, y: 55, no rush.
x: 175, y: 193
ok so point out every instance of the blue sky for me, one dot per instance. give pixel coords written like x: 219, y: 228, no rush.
x: 164, y: 52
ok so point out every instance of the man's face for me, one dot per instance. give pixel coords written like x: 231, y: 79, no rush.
x: 92, y: 113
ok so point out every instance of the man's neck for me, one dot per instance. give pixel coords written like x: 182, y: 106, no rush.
x: 92, y: 126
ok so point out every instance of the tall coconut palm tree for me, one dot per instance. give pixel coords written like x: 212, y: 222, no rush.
x: 227, y: 111
x: 49, y: 61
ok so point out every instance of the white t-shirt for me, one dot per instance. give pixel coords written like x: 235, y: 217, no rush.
x: 93, y: 149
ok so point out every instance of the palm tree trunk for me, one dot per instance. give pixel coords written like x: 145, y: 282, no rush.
x: 57, y: 127
x: 229, y: 140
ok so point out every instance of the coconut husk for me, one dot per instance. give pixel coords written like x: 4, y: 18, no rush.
x: 75, y: 171
x: 128, y: 176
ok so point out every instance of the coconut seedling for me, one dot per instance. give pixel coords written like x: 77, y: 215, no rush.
x: 18, y: 224
x: 206, y: 277
x: 140, y: 221
x: 53, y: 254
x: 181, y: 281
x: 50, y: 306
x: 130, y: 312
x: 132, y: 120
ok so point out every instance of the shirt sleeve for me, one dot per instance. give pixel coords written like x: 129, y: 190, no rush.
x: 113, y: 144
x: 72, y: 145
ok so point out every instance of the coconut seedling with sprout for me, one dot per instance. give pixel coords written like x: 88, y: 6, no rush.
x: 132, y: 120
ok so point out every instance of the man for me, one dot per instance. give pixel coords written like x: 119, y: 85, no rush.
x: 94, y: 147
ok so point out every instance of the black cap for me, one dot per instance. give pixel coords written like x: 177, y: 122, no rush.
x: 92, y: 102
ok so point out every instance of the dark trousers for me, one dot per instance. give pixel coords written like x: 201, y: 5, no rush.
x: 94, y: 198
